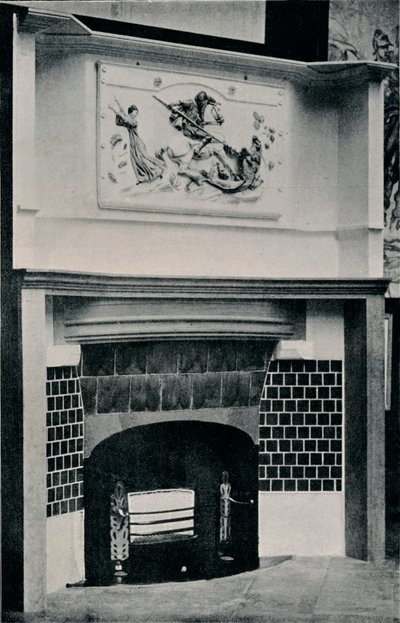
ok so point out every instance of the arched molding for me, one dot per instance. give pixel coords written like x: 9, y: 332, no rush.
x: 98, y: 428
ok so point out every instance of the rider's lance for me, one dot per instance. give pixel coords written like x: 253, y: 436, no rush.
x: 181, y: 114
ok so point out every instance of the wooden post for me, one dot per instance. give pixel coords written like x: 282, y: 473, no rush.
x: 365, y: 429
x: 375, y: 428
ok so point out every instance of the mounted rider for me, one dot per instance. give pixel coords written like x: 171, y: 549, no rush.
x: 194, y: 110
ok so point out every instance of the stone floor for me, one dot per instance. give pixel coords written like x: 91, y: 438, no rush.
x: 284, y: 590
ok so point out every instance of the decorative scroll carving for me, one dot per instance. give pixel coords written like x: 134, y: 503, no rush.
x: 119, y: 529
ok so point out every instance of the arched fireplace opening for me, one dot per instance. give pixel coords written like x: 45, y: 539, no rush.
x: 169, y: 501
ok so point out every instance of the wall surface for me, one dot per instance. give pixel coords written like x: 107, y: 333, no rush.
x: 352, y: 24
x: 64, y: 478
x: 65, y: 550
x: 325, y: 328
x: 220, y: 18
x: 301, y: 498
x: 299, y: 524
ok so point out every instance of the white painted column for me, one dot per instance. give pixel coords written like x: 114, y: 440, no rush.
x: 24, y: 160
x: 34, y: 447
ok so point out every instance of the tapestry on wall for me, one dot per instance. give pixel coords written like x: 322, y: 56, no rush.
x: 184, y: 143
x: 359, y: 29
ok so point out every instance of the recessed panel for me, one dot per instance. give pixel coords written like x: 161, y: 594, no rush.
x: 181, y: 143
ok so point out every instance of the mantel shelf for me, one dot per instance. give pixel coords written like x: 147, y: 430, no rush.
x: 84, y: 284
x: 69, y: 33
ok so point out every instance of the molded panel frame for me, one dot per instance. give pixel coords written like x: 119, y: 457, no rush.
x: 264, y: 102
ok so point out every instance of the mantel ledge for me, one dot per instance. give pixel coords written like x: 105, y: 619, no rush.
x: 351, y: 74
x: 68, y: 33
x: 166, y: 287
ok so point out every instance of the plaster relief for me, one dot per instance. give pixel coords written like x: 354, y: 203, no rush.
x: 190, y: 144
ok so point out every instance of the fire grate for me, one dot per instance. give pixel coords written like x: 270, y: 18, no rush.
x: 161, y: 515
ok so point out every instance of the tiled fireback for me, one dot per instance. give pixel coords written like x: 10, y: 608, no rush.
x: 64, y: 449
x: 301, y: 427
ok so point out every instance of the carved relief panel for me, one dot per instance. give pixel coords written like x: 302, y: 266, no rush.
x: 173, y: 142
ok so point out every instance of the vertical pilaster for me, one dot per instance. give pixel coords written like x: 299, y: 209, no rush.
x: 33, y: 315
x: 365, y: 429
x: 23, y: 146
x: 375, y: 427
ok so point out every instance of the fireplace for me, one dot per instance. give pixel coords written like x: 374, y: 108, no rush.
x: 155, y: 286
x: 170, y: 384
x: 184, y: 496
